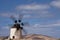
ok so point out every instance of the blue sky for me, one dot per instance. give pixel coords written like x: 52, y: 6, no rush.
x: 42, y: 15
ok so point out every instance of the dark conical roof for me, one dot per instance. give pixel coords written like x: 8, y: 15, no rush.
x: 16, y: 25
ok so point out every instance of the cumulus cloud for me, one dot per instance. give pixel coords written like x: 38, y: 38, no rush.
x: 33, y: 7
x: 46, y: 29
x: 27, y: 16
x: 55, y: 3
x: 43, y: 29
x: 47, y: 26
x: 37, y: 10
x: 32, y: 11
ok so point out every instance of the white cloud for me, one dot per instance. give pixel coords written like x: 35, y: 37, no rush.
x: 33, y: 7
x: 37, y: 10
x: 33, y: 11
x: 55, y: 3
x: 47, y: 25
x: 27, y: 16
x: 45, y: 29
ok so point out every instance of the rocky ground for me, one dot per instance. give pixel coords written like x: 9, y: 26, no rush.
x: 32, y: 37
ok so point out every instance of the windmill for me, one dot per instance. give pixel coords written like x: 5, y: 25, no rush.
x: 16, y: 29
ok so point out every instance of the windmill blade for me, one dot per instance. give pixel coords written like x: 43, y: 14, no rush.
x: 7, y: 26
x: 25, y: 32
x: 26, y: 24
x: 13, y: 18
x: 20, y: 17
x: 22, y: 24
x: 10, y: 25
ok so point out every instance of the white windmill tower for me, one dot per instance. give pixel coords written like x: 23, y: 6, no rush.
x: 16, y: 29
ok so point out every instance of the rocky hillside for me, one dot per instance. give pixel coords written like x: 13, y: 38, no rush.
x: 39, y: 37
x: 33, y: 37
